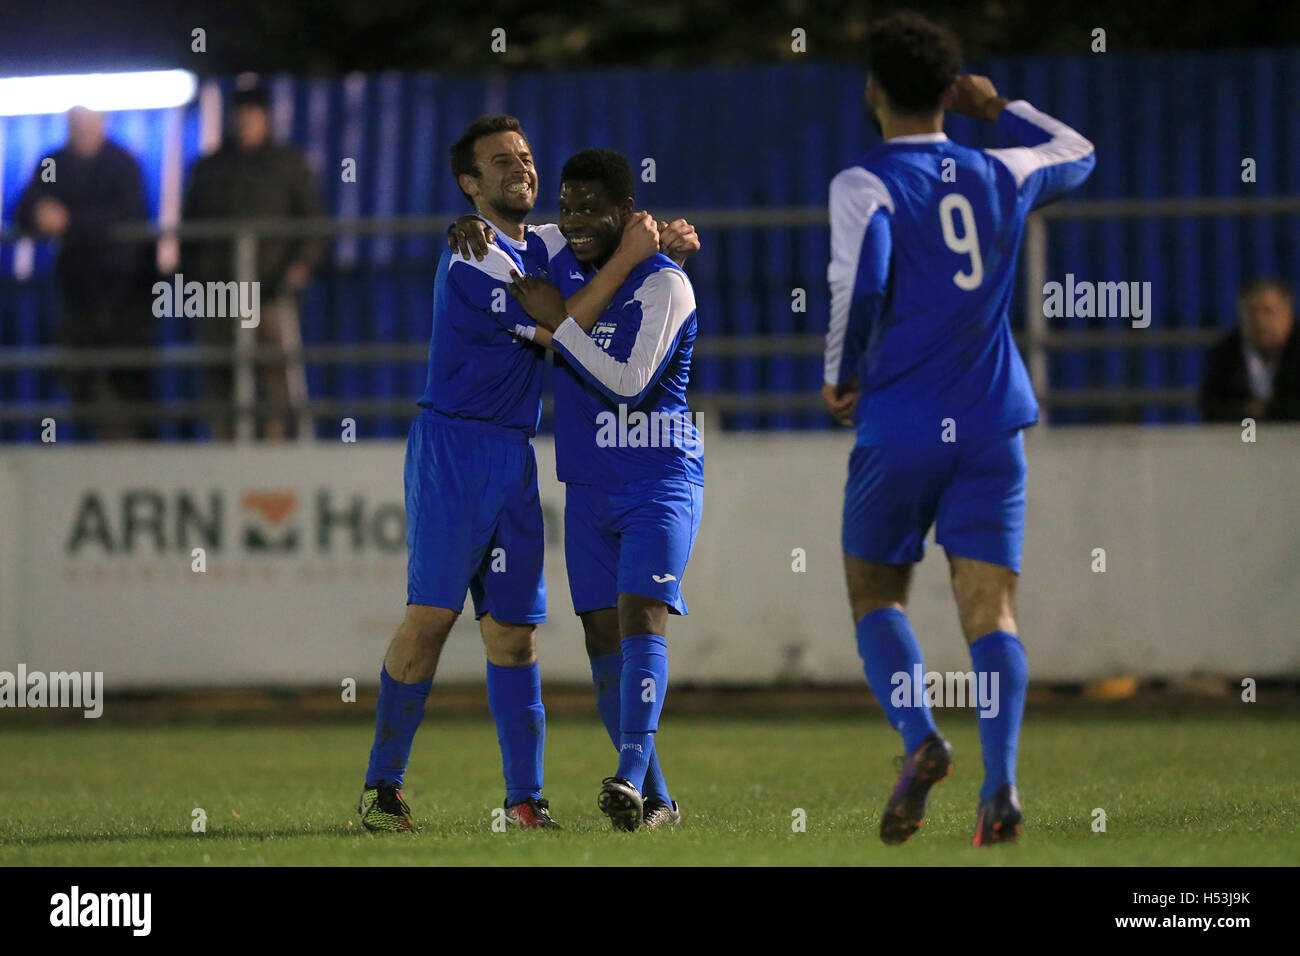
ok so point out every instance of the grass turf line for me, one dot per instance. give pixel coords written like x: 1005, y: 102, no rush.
x: 1176, y: 791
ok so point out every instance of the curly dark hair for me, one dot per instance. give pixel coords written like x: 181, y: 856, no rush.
x: 913, y: 60
x: 462, y: 151
x: 605, y: 166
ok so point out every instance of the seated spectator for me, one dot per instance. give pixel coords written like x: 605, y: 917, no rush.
x: 1254, y: 371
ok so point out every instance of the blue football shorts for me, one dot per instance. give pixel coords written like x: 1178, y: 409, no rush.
x: 473, y: 519
x: 635, y: 539
x: 972, y: 491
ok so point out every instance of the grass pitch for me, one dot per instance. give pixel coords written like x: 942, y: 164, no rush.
x: 1176, y: 791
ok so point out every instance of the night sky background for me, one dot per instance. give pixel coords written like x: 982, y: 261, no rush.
x: 335, y: 36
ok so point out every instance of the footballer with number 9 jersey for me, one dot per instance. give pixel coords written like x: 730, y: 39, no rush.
x: 629, y: 454
x: 920, y: 356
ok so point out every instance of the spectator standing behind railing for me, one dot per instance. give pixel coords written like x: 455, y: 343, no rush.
x: 76, y: 195
x: 1254, y: 371
x: 251, y: 177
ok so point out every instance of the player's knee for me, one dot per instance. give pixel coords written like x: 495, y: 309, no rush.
x: 517, y: 654
x: 986, y: 597
x: 509, y: 645
x: 413, y: 655
x: 983, y: 612
x: 513, y: 656
x: 866, y: 597
x: 600, y: 628
x: 642, y: 615
x: 427, y: 627
x: 862, y: 605
x: 874, y: 586
x: 602, y: 645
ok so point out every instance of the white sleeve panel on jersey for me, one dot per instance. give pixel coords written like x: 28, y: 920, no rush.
x: 550, y: 234
x: 854, y: 198
x: 667, y: 301
x: 480, y: 288
x: 495, y: 264
x: 1064, y: 146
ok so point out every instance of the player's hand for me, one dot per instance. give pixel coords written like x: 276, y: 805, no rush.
x: 470, y: 236
x: 975, y: 96
x: 640, y: 238
x: 841, y: 401
x: 678, y: 240
x: 297, y: 275
x: 540, y: 299
x: 51, y: 217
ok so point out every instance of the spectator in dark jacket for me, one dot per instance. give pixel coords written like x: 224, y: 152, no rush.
x: 76, y: 195
x: 252, y: 177
x: 1254, y: 372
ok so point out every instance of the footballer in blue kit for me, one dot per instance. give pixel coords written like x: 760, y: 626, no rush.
x: 920, y: 359
x: 629, y: 453
x: 474, y: 519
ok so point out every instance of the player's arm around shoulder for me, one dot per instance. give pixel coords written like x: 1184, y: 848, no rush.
x: 485, y: 287
x: 640, y: 241
x: 667, y: 304
x: 571, y: 294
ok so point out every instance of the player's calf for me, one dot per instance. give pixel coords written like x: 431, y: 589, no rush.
x: 644, y: 681
x: 514, y: 686
x: 404, y: 685
x: 604, y: 648
x: 985, y: 595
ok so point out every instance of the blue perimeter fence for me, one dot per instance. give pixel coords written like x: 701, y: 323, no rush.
x: 735, y: 139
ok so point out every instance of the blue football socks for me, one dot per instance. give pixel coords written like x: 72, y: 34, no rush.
x: 515, y: 699
x: 398, y: 715
x: 1002, y: 654
x: 607, y: 675
x: 644, y: 681
x: 888, y: 648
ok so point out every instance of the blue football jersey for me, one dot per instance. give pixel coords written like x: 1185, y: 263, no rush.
x: 620, y: 392
x: 482, y: 362
x: 924, y: 239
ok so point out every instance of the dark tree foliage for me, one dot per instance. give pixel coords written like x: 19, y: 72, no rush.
x: 334, y: 36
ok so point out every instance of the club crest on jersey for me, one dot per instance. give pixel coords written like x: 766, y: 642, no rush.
x: 603, y: 334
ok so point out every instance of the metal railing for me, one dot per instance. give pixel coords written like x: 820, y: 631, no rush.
x: 1037, y: 341
x: 245, y: 235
